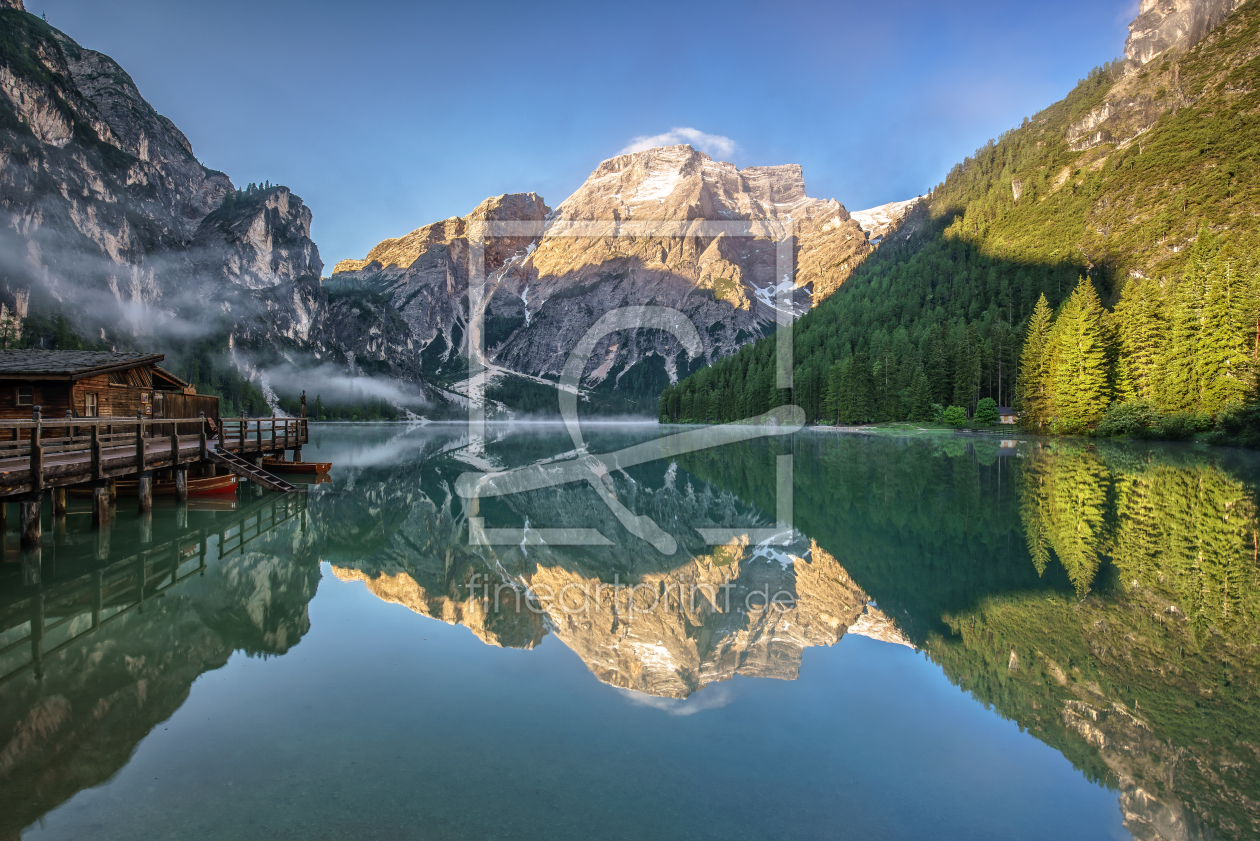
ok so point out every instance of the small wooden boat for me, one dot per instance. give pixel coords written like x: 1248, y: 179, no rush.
x: 206, y: 486
x: 278, y: 465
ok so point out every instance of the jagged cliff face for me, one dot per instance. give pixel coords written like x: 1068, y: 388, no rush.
x: 545, y: 291
x: 107, y: 217
x: 1163, y: 25
x: 1163, y: 29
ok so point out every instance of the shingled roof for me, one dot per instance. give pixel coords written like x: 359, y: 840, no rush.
x: 68, y: 364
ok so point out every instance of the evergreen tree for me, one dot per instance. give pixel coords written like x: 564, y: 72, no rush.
x: 1080, y: 379
x: 1224, y: 363
x: 835, y: 387
x: 920, y: 397
x: 1141, y: 326
x: 855, y: 405
x: 1034, y: 384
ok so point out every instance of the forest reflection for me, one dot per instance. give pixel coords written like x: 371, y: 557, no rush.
x: 1183, y: 529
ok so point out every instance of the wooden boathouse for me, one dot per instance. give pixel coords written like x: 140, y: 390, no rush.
x: 88, y: 418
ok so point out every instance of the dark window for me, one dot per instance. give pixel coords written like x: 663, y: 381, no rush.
x: 26, y: 395
x: 89, y: 406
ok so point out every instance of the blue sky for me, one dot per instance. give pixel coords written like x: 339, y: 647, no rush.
x: 384, y: 116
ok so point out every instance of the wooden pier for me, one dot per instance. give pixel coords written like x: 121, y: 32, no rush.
x: 42, y: 455
x: 39, y: 454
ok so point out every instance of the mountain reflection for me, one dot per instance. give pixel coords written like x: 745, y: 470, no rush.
x: 1104, y: 598
x: 698, y: 617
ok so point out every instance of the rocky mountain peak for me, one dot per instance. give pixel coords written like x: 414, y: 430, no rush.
x: 1162, y: 25
x: 679, y: 183
x: 401, y: 252
x: 1147, y: 90
x: 12, y: 4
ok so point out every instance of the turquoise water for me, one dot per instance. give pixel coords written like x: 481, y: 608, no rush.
x: 958, y: 660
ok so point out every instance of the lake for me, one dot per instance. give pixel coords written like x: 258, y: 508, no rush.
x: 818, y: 635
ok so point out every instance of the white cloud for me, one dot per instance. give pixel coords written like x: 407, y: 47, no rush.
x: 712, y: 698
x: 712, y: 144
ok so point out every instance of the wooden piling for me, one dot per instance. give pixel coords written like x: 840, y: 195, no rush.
x: 144, y: 490
x: 59, y: 502
x: 32, y: 529
x: 181, y: 484
x: 100, y: 505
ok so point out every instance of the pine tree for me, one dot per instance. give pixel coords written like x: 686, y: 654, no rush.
x: 920, y: 397
x: 967, y: 367
x: 1224, y: 363
x: 1142, y: 328
x: 1034, y: 385
x: 1080, y: 379
x: 856, y: 387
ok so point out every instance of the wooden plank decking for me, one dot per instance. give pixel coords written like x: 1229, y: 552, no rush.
x: 92, y: 449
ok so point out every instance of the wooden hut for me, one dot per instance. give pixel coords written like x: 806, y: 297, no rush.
x: 92, y: 384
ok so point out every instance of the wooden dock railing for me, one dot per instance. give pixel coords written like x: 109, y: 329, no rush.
x: 56, y: 452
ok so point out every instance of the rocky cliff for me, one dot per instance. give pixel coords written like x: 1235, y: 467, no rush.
x: 1163, y: 25
x: 546, y: 290
x: 1163, y: 29
x: 107, y: 217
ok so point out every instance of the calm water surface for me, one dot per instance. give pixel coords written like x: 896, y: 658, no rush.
x: 964, y: 639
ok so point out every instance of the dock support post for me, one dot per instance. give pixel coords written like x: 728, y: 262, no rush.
x: 181, y: 515
x: 181, y: 484
x: 59, y: 502
x: 113, y: 491
x: 145, y: 491
x: 37, y: 453
x: 32, y: 530
x: 100, y: 505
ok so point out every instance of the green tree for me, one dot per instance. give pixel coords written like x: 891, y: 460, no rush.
x: 1224, y: 362
x: 1080, y: 379
x: 955, y: 416
x: 987, y: 410
x: 1142, y: 327
x: 857, y: 386
x: 1034, y: 363
x: 920, y: 397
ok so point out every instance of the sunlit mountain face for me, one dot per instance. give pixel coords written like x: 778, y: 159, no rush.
x: 1100, y: 600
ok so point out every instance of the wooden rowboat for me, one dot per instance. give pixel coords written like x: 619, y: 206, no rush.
x: 276, y: 465
x: 207, y: 486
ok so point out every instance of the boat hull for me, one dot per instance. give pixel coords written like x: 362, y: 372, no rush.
x: 207, y: 486
x: 276, y: 465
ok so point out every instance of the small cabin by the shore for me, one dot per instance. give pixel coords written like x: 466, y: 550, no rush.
x: 1007, y: 415
x: 91, y: 384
